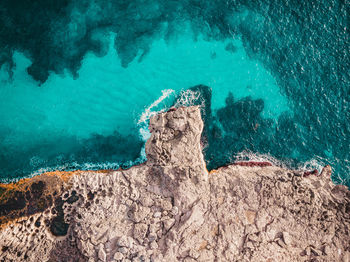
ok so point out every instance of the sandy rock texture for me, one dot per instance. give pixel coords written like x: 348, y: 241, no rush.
x: 171, y: 209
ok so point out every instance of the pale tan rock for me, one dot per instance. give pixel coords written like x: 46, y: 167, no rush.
x: 140, y: 231
x: 118, y: 256
x: 101, y: 253
x: 171, y: 209
x: 125, y: 241
x: 287, y: 238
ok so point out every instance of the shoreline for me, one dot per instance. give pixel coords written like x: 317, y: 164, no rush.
x: 171, y: 208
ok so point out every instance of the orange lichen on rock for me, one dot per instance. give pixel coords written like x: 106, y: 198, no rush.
x: 252, y: 163
x: 32, y: 195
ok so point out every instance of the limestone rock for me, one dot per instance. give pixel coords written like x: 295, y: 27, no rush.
x: 171, y: 209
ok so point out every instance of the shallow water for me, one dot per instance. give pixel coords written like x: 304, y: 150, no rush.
x: 77, y: 92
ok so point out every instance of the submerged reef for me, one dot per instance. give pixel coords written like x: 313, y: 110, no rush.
x: 172, y: 209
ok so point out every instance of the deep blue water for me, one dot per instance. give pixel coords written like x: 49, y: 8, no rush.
x: 80, y: 79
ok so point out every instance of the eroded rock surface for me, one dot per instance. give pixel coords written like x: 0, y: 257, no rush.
x: 171, y: 209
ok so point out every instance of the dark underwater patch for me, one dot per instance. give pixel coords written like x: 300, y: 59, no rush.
x: 97, y: 149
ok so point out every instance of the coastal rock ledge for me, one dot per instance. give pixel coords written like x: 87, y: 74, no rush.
x: 172, y: 209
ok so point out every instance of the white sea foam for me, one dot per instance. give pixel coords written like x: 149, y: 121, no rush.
x: 84, y: 166
x: 257, y: 157
x: 146, y: 115
x: 187, y: 98
x: 144, y: 133
x: 149, y: 112
x: 75, y: 166
x: 311, y: 164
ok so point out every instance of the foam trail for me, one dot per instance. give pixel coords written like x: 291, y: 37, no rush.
x: 148, y: 113
x: 75, y: 166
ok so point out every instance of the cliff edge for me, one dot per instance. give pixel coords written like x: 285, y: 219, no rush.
x: 171, y: 209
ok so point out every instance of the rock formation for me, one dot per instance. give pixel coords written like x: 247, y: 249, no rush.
x: 172, y: 209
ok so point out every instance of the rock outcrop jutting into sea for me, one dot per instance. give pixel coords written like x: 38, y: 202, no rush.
x: 171, y: 209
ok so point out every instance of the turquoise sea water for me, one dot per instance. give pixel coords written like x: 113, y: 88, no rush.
x: 78, y: 88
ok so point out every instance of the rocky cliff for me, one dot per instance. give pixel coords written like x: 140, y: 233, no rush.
x: 171, y: 209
